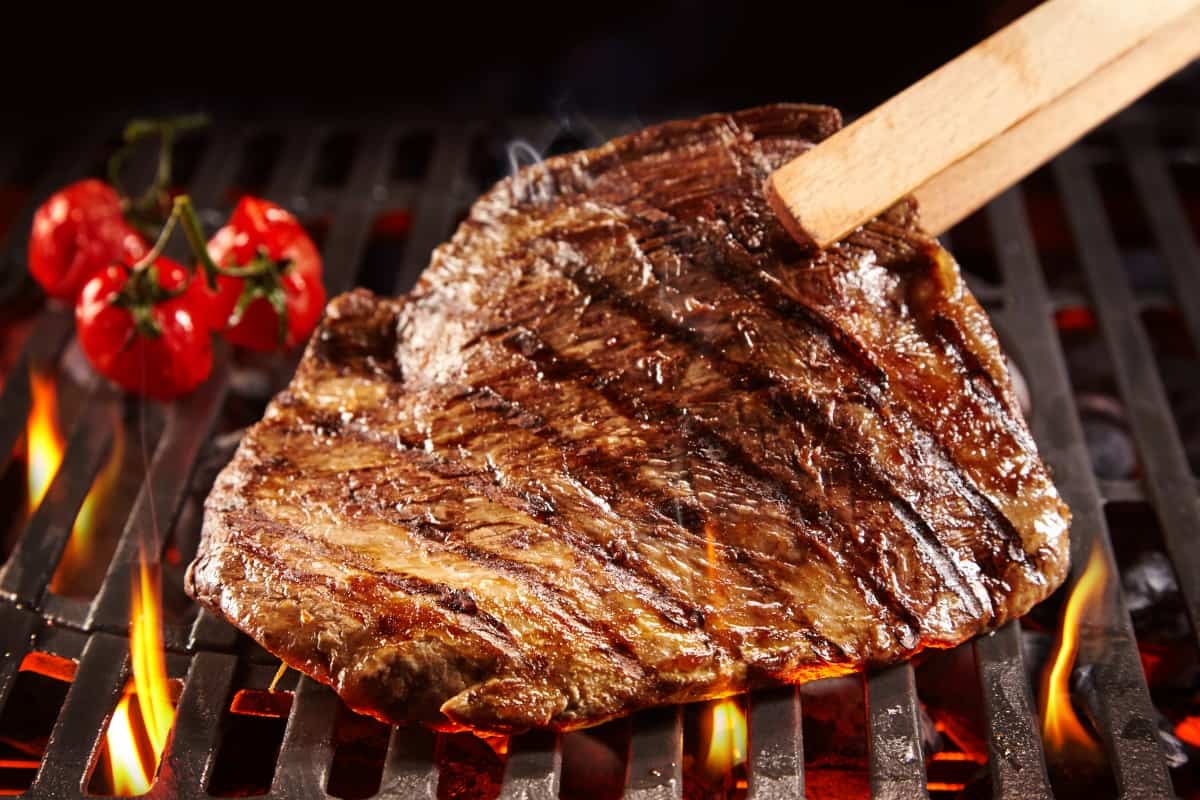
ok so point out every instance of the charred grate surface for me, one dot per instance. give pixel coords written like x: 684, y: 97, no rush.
x: 379, y: 196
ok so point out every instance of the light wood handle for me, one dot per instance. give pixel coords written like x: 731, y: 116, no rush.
x: 966, y: 185
x: 858, y: 172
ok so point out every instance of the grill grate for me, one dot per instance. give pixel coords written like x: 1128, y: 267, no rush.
x: 208, y: 653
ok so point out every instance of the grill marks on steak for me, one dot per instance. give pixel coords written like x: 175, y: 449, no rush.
x: 625, y: 444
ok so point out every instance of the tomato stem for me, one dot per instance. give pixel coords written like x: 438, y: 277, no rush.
x: 159, y: 245
x: 194, y: 232
x: 147, y: 209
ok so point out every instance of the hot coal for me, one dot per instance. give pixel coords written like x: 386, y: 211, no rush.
x: 1083, y: 684
x: 835, y: 723
x: 1179, y: 369
x: 1109, y: 441
x: 1153, y: 598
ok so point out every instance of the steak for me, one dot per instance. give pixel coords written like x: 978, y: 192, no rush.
x: 626, y: 444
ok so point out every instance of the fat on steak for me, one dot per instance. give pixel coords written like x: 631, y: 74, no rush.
x: 626, y: 444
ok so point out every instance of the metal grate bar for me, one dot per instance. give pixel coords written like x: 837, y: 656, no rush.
x: 534, y: 767
x: 294, y: 168
x: 435, y: 210
x: 410, y: 769
x: 187, y: 759
x: 30, y: 567
x: 1169, y: 479
x: 343, y: 249
x: 307, y: 749
x: 1014, y: 745
x: 210, y: 632
x: 1060, y: 438
x: 897, y: 765
x: 92, y: 697
x: 656, y: 755
x: 49, y: 336
x: 17, y: 628
x: 217, y: 169
x: 1156, y: 191
x: 776, y: 743
x: 189, y: 422
x: 1124, y: 491
x: 1120, y: 703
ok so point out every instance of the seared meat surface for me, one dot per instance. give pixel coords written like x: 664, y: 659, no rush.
x: 625, y: 444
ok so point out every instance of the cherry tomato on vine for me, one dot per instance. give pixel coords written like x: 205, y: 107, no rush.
x: 76, y: 233
x: 277, y: 296
x: 144, y: 329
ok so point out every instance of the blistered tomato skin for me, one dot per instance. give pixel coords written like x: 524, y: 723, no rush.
x: 255, y: 228
x: 161, y: 366
x: 78, y: 232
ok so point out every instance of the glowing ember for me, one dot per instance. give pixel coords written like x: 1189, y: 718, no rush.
x: 1188, y: 730
x: 43, y: 442
x: 132, y: 773
x: 1062, y: 729
x: 727, y: 742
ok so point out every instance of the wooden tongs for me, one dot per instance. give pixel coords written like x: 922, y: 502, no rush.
x: 977, y: 125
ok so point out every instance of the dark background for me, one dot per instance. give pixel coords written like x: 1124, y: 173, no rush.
x: 476, y: 61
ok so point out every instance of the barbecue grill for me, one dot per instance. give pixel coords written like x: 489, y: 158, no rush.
x: 347, y: 180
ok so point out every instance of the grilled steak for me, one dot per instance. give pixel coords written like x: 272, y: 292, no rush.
x: 626, y: 444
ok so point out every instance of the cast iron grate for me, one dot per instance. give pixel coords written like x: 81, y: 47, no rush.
x: 379, y: 194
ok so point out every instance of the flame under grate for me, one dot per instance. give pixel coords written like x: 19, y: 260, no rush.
x: 380, y: 195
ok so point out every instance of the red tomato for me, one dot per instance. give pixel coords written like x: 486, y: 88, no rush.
x: 145, y: 332
x: 257, y: 228
x: 78, y: 232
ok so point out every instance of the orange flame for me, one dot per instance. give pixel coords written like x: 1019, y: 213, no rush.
x: 1061, y: 727
x: 727, y: 729
x: 127, y: 774
x: 43, y: 441
x: 78, y: 554
x: 130, y: 772
x: 727, y: 741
